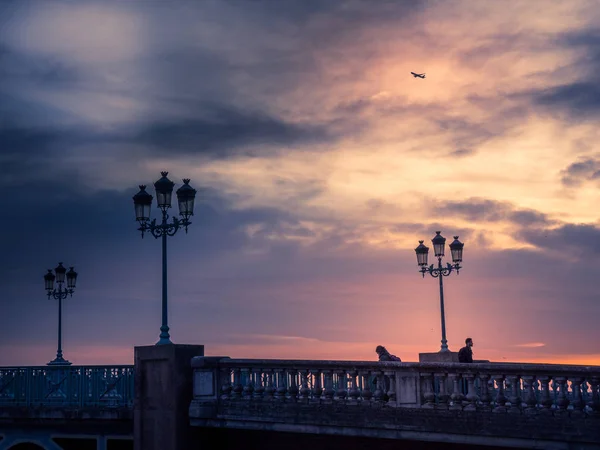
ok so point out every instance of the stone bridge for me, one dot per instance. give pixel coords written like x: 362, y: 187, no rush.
x: 488, y: 404
x: 183, y: 400
x: 64, y: 407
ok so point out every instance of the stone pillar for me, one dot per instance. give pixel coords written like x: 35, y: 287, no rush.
x: 163, y: 392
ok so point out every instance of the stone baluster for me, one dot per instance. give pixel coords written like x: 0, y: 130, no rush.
x: 546, y: 399
x: 471, y: 398
x: 562, y: 400
x: 226, y: 383
x: 585, y: 393
x: 269, y: 388
x: 484, y: 397
x: 304, y: 393
x: 500, y: 400
x: 342, y: 386
x: 443, y: 391
x: 595, y: 395
x: 514, y: 396
x: 353, y: 393
x: 329, y: 391
x: 249, y: 385
x: 317, y: 387
x: 378, y: 395
x: 428, y: 393
x: 237, y: 384
x: 281, y: 388
x: 391, y: 393
x: 292, y: 376
x: 577, y: 401
x: 529, y: 382
x: 366, y: 394
x: 456, y: 397
x: 259, y: 384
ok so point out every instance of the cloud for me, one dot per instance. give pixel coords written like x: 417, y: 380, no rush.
x: 531, y: 345
x: 576, y: 96
x: 488, y: 210
x: 581, y: 171
x: 581, y: 99
x: 319, y: 163
x: 578, y: 240
x: 219, y: 131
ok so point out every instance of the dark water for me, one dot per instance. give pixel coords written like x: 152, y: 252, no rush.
x: 231, y: 439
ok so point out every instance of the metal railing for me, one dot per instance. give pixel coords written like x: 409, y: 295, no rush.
x: 67, y: 386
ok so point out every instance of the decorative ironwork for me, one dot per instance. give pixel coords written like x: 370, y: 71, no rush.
x: 60, y: 294
x: 142, y: 202
x: 456, y: 247
x: 68, y: 386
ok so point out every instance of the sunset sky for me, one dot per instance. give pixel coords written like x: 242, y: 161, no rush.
x: 319, y: 163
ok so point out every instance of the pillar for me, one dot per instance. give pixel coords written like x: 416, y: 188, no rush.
x: 163, y: 392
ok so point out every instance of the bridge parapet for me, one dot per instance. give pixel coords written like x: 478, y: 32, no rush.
x: 66, y: 392
x: 501, y: 401
x: 499, y: 387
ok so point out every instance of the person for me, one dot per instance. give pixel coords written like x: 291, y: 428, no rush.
x: 465, y: 354
x: 384, y: 355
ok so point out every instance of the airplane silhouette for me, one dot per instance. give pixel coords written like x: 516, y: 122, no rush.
x: 418, y: 75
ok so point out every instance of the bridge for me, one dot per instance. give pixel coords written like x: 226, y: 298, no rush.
x: 181, y: 399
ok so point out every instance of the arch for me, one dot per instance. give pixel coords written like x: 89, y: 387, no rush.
x: 26, y: 446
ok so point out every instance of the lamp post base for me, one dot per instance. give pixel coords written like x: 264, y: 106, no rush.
x: 59, y: 362
x: 447, y: 356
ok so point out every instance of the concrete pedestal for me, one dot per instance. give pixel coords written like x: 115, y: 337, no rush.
x: 163, y: 392
x: 439, y: 357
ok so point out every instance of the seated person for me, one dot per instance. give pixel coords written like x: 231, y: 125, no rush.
x: 384, y: 355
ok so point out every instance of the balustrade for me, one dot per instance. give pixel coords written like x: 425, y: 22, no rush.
x: 495, y: 387
x: 63, y: 386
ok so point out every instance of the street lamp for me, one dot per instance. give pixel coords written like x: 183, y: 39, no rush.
x: 60, y: 294
x: 456, y: 248
x: 142, y: 202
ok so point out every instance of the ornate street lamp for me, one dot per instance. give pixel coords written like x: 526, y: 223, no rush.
x: 142, y: 202
x: 456, y: 248
x: 60, y: 294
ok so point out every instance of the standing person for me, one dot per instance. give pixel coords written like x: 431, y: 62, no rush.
x: 465, y: 354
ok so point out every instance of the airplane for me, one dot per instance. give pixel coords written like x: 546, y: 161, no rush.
x: 418, y: 75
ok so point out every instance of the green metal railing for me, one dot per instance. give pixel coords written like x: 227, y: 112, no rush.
x: 74, y: 386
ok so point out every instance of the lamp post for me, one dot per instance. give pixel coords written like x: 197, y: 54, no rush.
x: 60, y: 294
x: 456, y: 248
x: 142, y: 202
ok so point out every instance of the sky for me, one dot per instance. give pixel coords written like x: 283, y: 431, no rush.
x: 319, y: 163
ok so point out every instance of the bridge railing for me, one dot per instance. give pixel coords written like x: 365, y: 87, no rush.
x: 497, y: 387
x: 62, y: 386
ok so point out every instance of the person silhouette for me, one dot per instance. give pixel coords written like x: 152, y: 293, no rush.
x: 465, y: 354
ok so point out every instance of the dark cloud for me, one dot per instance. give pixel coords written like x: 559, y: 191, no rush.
x: 579, y: 172
x: 460, y: 152
x: 578, y: 240
x: 581, y: 100
x: 218, y: 93
x: 223, y: 130
x: 578, y: 100
x: 38, y: 70
x: 486, y: 210
x: 465, y: 135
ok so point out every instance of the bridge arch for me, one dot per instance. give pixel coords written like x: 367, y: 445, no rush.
x: 28, y: 443
x: 27, y: 446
